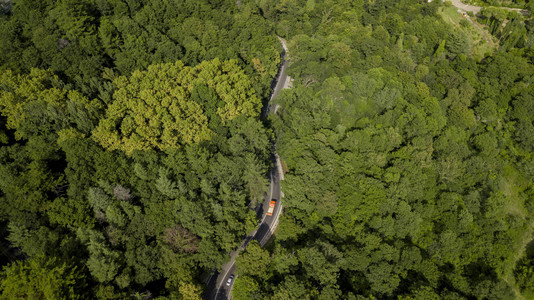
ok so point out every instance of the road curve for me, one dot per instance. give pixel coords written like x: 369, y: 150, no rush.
x: 216, y: 284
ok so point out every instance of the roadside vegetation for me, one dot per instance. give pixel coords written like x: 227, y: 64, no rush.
x: 131, y: 148
x: 132, y: 152
x: 483, y: 43
x: 409, y: 172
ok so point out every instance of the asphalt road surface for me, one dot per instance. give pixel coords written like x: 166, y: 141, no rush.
x: 216, y: 285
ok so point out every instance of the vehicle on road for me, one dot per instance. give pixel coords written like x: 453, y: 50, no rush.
x: 229, y: 281
x: 271, y: 207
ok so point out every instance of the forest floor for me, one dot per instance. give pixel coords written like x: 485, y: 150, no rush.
x: 476, y: 9
x: 483, y: 41
x: 511, y: 187
x: 524, y: 243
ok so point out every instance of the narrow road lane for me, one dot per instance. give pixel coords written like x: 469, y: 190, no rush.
x: 216, y: 285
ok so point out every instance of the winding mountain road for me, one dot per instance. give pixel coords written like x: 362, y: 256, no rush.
x: 216, y: 285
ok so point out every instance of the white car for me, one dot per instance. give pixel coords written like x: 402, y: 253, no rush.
x: 229, y: 281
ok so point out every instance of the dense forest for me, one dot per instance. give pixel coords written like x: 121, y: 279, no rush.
x: 133, y: 152
x: 132, y: 149
x: 409, y: 163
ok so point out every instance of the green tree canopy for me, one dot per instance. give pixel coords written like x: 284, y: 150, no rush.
x: 39, y: 104
x: 41, y: 278
x: 253, y: 261
x: 155, y: 109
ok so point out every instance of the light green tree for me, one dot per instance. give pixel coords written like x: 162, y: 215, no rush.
x: 41, y: 278
x: 38, y: 103
x: 253, y: 261
x: 154, y: 108
x: 245, y: 287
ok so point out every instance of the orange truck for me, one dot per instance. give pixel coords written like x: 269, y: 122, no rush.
x: 271, y: 207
